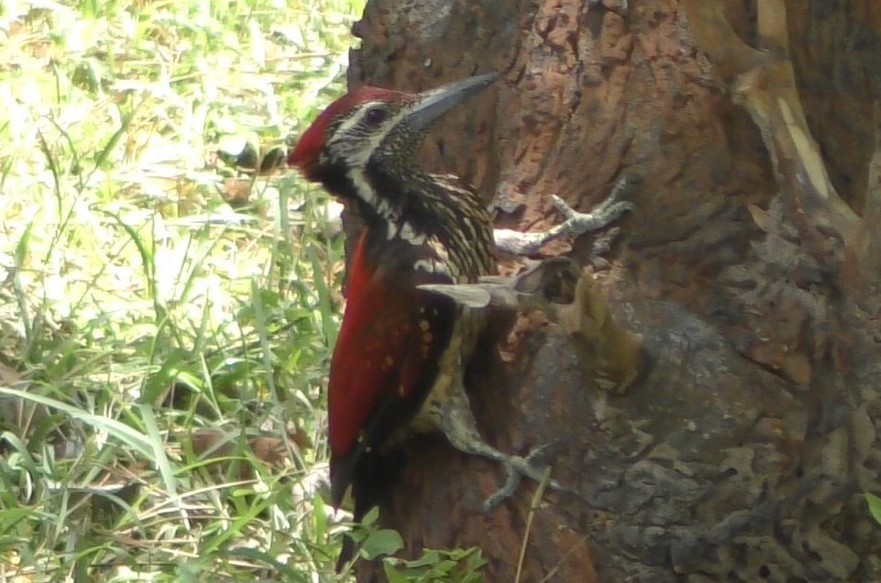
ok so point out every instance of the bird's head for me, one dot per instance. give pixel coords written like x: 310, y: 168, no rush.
x: 377, y: 126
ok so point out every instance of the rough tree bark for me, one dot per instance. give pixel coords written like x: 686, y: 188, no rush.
x: 741, y: 451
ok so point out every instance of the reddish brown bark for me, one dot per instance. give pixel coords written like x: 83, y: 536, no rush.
x: 742, y: 451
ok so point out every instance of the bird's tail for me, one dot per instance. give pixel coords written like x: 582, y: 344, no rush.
x: 372, y: 484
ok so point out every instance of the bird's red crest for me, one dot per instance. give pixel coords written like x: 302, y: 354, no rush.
x: 305, y: 154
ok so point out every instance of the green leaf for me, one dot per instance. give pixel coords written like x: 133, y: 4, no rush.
x: 371, y: 517
x: 874, y: 506
x: 429, y: 557
x: 393, y: 575
x: 382, y: 542
x: 319, y: 518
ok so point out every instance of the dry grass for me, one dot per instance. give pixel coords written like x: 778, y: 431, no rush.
x: 138, y: 307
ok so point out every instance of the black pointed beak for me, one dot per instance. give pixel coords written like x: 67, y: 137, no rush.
x: 432, y: 104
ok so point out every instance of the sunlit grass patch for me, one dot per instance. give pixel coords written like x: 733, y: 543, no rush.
x: 163, y: 353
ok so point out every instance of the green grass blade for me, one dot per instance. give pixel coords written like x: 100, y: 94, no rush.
x: 122, y: 432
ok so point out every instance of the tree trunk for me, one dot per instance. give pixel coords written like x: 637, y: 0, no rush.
x: 742, y: 450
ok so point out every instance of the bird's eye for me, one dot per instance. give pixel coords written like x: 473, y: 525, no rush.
x: 376, y: 115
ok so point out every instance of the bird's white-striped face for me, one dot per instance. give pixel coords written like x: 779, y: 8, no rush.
x: 361, y: 134
x: 346, y: 130
x: 362, y: 148
x: 375, y: 133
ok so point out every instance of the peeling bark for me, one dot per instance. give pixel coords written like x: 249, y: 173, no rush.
x: 740, y: 450
x: 863, y: 267
x: 764, y: 82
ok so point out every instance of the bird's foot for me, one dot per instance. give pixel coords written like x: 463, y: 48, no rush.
x: 575, y: 223
x: 601, y: 216
x: 517, y: 468
x: 598, y: 219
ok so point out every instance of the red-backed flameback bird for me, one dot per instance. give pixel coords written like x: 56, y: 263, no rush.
x: 399, y: 362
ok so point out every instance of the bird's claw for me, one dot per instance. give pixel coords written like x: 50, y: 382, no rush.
x: 516, y: 468
x: 601, y: 216
x: 575, y: 223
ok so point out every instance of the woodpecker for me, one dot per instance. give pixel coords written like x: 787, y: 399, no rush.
x: 399, y: 362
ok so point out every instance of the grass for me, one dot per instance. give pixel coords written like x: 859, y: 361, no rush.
x: 165, y: 318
